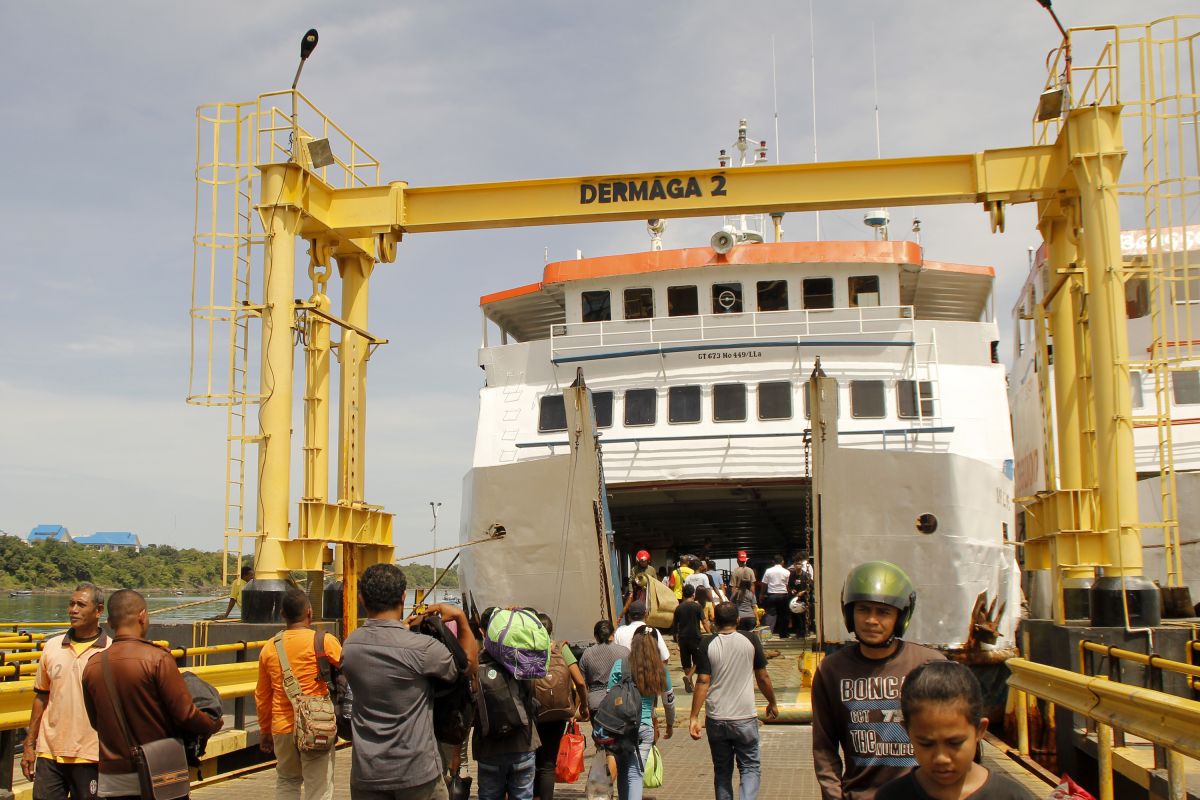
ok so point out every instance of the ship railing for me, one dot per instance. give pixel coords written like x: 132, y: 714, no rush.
x: 889, y: 322
x: 910, y: 438
x: 1165, y: 720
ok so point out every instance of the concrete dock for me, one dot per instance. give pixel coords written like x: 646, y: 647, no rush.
x: 787, y: 770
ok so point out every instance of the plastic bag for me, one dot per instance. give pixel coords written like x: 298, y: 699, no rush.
x: 569, y: 765
x: 652, y: 778
x: 1068, y: 789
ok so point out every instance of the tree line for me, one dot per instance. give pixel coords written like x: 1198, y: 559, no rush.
x: 50, y: 565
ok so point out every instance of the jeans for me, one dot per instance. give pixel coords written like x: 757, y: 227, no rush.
x: 630, y: 766
x: 730, y: 739
x: 511, y: 774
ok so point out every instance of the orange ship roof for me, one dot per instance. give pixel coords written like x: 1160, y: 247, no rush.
x: 938, y: 289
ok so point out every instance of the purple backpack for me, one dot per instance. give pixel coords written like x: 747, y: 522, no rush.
x: 519, y: 643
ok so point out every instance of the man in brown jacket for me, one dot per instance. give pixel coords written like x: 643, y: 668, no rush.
x: 150, y: 689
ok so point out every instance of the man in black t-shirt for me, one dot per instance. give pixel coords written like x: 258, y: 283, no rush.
x: 688, y: 618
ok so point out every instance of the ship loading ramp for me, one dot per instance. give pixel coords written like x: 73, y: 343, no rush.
x: 714, y: 519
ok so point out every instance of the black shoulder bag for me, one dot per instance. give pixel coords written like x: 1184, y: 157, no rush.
x: 162, y: 767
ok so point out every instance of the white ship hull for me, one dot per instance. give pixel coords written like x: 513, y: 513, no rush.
x: 692, y: 482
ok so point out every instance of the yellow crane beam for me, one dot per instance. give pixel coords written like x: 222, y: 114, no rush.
x: 1009, y: 175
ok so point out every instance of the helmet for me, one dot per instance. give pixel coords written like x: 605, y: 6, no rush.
x: 796, y: 605
x: 643, y: 555
x: 879, y: 582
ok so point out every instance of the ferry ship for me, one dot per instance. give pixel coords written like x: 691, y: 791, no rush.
x: 698, y: 363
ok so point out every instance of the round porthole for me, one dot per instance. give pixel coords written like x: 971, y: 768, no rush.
x: 927, y: 523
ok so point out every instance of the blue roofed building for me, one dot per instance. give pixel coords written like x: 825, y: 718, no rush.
x: 49, y: 533
x: 111, y: 540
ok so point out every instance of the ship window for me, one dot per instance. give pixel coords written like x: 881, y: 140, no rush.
x: 837, y: 400
x: 818, y: 292
x: 640, y: 406
x: 639, y: 303
x: 906, y: 397
x: 682, y: 301
x: 596, y: 307
x: 775, y: 400
x: 602, y: 408
x: 729, y: 402
x: 683, y: 404
x: 1185, y: 386
x: 772, y: 296
x: 866, y: 399
x: 727, y: 298
x: 552, y: 416
x: 1135, y: 389
x: 864, y: 291
x: 808, y: 408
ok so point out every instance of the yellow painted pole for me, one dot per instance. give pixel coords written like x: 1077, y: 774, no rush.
x: 1022, y: 723
x: 316, y: 417
x: 275, y: 416
x: 1073, y: 448
x: 356, y: 273
x: 1104, y: 763
x: 1096, y: 154
x: 1176, y: 776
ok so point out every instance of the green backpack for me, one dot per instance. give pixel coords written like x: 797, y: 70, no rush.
x: 519, y: 643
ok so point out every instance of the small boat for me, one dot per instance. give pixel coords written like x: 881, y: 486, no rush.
x: 21, y: 593
x: 179, y: 592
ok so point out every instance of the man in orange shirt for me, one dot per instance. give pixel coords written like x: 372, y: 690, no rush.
x: 277, y: 718
x: 61, y: 748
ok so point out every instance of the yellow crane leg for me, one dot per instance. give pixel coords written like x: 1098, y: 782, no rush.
x: 1071, y: 578
x: 356, y: 275
x: 261, y: 598
x: 1121, y: 596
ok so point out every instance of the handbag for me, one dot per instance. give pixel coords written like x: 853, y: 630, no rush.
x: 162, y: 767
x: 316, y: 716
x: 652, y: 778
x: 569, y: 765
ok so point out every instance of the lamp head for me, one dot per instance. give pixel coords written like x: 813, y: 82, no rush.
x: 308, y: 44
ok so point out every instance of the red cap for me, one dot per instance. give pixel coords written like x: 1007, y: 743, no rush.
x: 643, y: 555
x: 742, y: 555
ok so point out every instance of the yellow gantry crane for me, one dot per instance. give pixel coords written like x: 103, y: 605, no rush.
x: 311, y: 181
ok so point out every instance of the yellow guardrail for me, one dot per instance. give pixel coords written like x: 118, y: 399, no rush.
x: 230, y: 680
x: 11, y: 666
x: 1170, y: 722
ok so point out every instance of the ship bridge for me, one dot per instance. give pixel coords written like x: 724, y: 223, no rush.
x: 814, y: 281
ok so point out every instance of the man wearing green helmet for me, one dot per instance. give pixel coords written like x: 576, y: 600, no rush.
x: 856, y: 690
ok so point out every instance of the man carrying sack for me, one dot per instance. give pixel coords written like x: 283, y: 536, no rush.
x: 295, y: 710
x: 138, y: 703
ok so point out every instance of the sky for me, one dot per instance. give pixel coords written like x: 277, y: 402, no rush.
x: 97, y: 219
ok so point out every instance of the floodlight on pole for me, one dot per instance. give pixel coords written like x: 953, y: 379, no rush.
x: 307, y: 44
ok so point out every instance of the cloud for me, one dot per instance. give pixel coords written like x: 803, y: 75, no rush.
x: 97, y: 258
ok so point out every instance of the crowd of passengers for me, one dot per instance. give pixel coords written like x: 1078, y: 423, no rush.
x: 891, y: 719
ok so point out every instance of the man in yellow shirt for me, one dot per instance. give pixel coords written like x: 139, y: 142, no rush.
x: 235, y: 591
x: 62, y: 752
x: 680, y: 575
x: 312, y: 770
